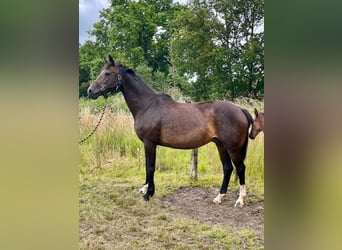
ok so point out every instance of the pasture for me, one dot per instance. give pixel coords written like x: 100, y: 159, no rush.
x: 180, y: 215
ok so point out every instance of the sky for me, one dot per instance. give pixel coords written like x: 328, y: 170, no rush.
x: 89, y: 11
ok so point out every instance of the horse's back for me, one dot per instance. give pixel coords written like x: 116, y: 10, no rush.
x: 218, y: 112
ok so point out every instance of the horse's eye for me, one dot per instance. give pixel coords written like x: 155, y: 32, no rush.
x: 107, y: 73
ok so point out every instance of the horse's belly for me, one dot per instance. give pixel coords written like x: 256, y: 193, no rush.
x: 185, y: 139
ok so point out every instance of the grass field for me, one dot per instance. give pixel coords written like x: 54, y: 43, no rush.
x: 113, y: 216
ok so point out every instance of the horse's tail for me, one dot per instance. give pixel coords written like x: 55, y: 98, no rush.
x: 248, y: 116
x: 249, y: 119
x: 245, y: 143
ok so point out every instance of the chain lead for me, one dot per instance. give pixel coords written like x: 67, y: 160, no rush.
x: 92, y: 132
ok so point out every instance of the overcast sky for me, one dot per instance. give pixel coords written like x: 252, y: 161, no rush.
x: 89, y: 11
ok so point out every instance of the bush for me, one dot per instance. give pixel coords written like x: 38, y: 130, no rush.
x: 82, y: 92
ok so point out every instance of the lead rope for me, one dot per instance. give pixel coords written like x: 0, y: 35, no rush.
x: 92, y: 132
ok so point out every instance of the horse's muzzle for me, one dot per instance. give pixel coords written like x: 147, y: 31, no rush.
x: 89, y: 91
x: 92, y: 94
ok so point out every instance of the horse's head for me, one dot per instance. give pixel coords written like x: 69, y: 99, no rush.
x: 258, y: 124
x: 108, y: 80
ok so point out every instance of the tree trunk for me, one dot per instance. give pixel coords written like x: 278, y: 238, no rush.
x: 194, y: 163
x: 194, y: 154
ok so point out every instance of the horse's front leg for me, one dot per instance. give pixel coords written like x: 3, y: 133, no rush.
x: 143, y: 189
x: 150, y: 161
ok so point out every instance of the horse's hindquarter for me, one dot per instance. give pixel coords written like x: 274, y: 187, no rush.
x: 232, y: 124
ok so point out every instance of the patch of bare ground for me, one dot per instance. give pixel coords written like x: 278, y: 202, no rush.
x: 196, y: 203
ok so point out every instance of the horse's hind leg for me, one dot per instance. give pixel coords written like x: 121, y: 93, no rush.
x: 227, y: 171
x: 240, y: 169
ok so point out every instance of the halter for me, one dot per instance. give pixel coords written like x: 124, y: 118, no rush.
x: 119, y: 84
x: 115, y: 89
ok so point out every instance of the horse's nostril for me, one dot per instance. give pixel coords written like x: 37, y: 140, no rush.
x: 89, y: 91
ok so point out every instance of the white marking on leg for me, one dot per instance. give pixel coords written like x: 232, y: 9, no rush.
x: 242, y: 196
x: 218, y: 199
x: 143, y: 190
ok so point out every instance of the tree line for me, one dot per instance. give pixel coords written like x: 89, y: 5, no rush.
x: 208, y: 49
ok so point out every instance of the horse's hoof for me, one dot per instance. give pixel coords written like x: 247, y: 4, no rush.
x: 240, y: 204
x: 216, y: 202
x: 146, y: 198
x: 218, y: 199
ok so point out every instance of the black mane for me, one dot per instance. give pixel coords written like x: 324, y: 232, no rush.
x: 126, y: 69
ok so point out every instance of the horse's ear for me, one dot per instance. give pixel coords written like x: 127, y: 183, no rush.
x: 110, y: 59
x: 256, y: 112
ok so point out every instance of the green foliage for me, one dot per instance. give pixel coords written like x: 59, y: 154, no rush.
x: 145, y: 73
x: 83, y: 75
x: 208, y: 49
x: 159, y: 81
x: 215, y: 44
x: 83, y: 89
x: 115, y: 103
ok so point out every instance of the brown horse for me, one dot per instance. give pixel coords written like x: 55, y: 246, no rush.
x: 159, y: 120
x: 258, y: 124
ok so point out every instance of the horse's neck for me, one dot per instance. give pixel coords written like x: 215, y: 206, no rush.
x: 137, y: 95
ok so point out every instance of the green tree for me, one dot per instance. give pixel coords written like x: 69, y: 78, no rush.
x: 192, y: 48
x: 136, y: 33
x: 136, y: 29
x: 209, y: 49
x: 215, y: 45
